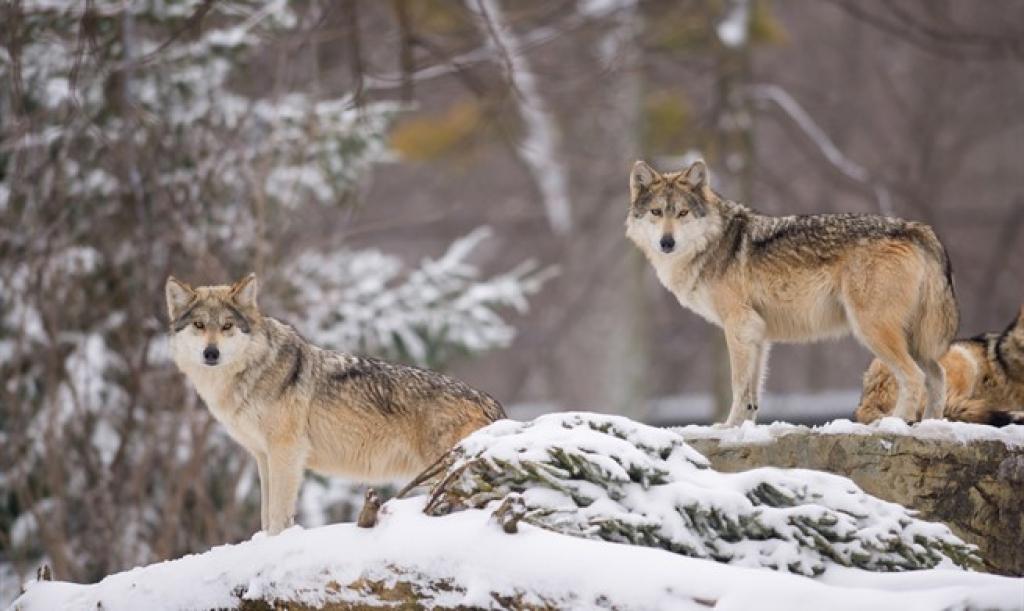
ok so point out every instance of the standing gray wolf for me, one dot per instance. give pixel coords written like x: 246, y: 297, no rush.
x: 984, y: 380
x: 767, y: 279
x: 294, y: 406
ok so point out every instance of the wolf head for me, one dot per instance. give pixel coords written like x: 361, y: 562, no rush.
x: 211, y: 326
x: 668, y: 211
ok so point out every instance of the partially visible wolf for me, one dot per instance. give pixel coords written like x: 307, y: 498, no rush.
x: 767, y: 279
x: 984, y: 380
x: 295, y: 406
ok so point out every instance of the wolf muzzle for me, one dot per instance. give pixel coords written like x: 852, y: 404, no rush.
x: 667, y: 244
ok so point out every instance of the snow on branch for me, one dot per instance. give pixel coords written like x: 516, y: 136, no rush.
x: 539, y: 148
x: 590, y: 11
x: 734, y: 30
x: 367, y: 301
x: 796, y: 112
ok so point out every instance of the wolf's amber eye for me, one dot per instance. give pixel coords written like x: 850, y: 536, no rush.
x: 683, y: 213
x: 198, y: 325
x: 656, y: 211
x: 227, y: 326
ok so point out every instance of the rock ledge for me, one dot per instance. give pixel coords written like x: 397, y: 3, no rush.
x: 967, y: 476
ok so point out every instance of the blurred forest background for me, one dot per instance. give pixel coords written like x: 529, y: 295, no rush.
x: 442, y: 183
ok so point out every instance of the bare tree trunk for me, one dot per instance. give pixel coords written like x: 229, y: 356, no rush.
x: 540, y: 147
x: 735, y: 151
x: 407, y: 62
x: 626, y: 381
x: 603, y: 362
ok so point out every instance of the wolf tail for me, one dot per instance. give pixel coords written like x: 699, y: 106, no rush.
x: 1000, y: 417
x: 974, y: 410
x: 879, y: 395
x: 933, y: 331
x: 492, y: 410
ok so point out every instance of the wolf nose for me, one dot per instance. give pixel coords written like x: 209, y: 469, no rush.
x: 211, y: 354
x: 667, y: 244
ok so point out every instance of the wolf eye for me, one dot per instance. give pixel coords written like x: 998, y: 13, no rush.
x: 227, y: 326
x: 656, y: 211
x: 683, y: 213
x: 198, y: 325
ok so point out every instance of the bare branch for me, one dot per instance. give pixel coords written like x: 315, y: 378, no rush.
x: 355, y: 52
x: 845, y: 165
x: 406, y: 38
x: 540, y: 145
x: 948, y: 44
x: 532, y: 39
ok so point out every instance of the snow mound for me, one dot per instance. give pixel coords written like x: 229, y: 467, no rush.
x: 610, y: 478
x: 939, y: 430
x: 466, y: 559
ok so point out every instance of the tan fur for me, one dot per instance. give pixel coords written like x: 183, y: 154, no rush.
x: 984, y: 380
x: 295, y: 406
x: 770, y: 279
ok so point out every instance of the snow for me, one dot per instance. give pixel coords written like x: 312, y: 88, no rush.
x: 477, y: 560
x: 699, y: 408
x: 940, y: 430
x: 322, y: 499
x: 472, y: 551
x: 733, y: 30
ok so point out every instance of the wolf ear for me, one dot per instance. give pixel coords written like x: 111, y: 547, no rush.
x: 697, y: 175
x: 178, y: 296
x: 641, y: 177
x: 244, y: 291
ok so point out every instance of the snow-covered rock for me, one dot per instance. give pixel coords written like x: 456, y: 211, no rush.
x: 595, y: 468
x: 466, y: 559
x: 611, y: 478
x: 968, y: 476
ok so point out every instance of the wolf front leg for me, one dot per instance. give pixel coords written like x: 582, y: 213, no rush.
x: 286, y: 464
x: 756, y: 384
x: 263, y: 468
x: 748, y: 351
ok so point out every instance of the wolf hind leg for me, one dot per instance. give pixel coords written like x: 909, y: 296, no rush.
x: 935, y: 388
x: 930, y: 334
x: 889, y: 344
x: 881, y: 299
